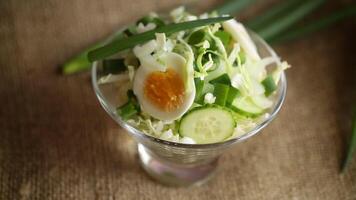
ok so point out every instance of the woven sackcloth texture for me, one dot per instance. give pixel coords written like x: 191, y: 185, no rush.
x: 56, y: 142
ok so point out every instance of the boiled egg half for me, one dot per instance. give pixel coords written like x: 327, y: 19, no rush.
x: 163, y: 85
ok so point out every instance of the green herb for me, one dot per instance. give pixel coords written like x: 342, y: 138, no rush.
x: 272, y: 14
x: 284, y: 22
x: 120, y: 45
x: 220, y: 92
x: 269, y: 84
x: 316, y: 25
x: 352, y: 145
x: 233, y: 6
x: 113, y: 66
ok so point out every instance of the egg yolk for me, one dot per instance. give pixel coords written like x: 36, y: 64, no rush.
x: 165, y: 89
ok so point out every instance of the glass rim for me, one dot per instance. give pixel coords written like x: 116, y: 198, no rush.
x: 137, y: 133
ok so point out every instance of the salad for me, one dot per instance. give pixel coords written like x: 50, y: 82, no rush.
x: 200, y: 85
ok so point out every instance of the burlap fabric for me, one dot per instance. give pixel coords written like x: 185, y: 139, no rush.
x: 56, y: 142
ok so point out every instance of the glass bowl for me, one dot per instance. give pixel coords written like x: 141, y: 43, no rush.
x: 178, y: 164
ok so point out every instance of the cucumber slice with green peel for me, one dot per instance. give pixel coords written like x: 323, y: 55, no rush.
x: 208, y: 124
x: 245, y: 106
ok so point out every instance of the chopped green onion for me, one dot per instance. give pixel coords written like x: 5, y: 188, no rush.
x: 272, y: 14
x: 316, y: 25
x: 224, y: 37
x: 284, y: 22
x: 127, y: 110
x: 120, y: 45
x: 269, y: 84
x: 130, y: 31
x: 233, y: 6
x: 130, y: 95
x: 113, y: 66
x: 150, y: 19
x: 223, y: 79
x: 197, y: 37
x: 231, y: 96
x: 352, y: 145
x: 199, y: 85
x: 220, y: 92
x: 130, y: 108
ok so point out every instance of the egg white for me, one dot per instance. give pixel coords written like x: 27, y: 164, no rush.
x: 150, y: 65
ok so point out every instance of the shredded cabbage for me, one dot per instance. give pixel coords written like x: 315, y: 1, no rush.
x: 207, y: 58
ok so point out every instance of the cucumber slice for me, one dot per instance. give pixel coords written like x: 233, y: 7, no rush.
x: 208, y: 124
x: 245, y: 106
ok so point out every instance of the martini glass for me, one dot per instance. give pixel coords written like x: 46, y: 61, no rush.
x: 178, y: 164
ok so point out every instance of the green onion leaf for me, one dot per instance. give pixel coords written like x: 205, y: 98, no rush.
x: 316, y: 25
x: 269, y: 84
x: 284, y: 22
x: 220, y: 92
x: 123, y: 44
x: 80, y: 62
x: 233, y: 6
x: 272, y: 14
x: 352, y: 145
x: 113, y: 66
x: 77, y: 63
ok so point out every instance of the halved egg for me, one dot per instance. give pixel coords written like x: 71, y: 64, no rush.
x: 161, y: 86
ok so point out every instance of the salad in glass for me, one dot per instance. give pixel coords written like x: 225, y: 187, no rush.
x: 201, y: 85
